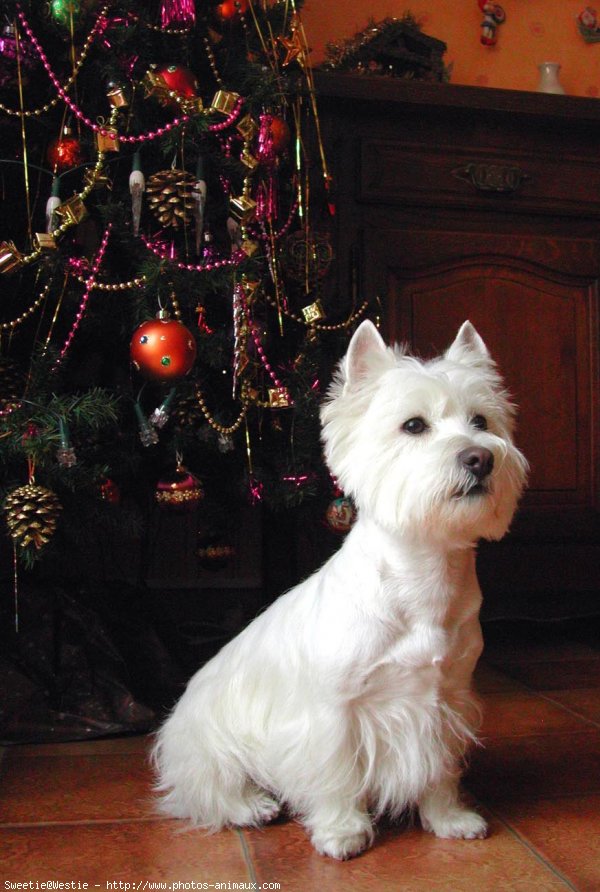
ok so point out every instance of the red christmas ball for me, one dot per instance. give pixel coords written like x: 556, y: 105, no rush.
x: 231, y: 8
x: 179, y: 79
x: 64, y: 152
x: 280, y: 134
x: 163, y: 349
x: 109, y: 491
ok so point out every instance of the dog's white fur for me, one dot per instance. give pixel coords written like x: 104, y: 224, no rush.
x: 349, y: 697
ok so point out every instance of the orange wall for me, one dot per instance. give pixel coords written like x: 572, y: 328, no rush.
x: 534, y: 31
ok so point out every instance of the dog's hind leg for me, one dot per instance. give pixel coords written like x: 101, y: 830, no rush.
x: 211, y: 789
x: 216, y: 798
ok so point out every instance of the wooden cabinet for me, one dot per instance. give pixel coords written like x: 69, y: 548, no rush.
x: 459, y: 202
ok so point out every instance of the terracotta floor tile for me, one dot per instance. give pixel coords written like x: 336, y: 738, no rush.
x: 57, y: 788
x: 402, y: 858
x: 559, y: 675
x: 585, y: 702
x: 566, y: 832
x: 519, y: 713
x: 536, y: 767
x: 132, y: 851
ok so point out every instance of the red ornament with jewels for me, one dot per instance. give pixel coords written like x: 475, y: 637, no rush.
x: 179, y: 79
x: 65, y: 152
x: 163, y: 348
x: 232, y: 8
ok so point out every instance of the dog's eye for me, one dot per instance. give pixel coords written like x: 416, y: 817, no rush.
x: 480, y: 422
x: 415, y: 426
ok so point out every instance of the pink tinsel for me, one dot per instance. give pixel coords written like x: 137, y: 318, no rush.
x: 255, y: 491
x: 266, y: 152
x: 178, y: 12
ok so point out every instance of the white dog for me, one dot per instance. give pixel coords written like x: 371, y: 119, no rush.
x: 349, y: 697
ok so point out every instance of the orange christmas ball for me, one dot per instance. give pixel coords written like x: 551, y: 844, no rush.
x: 231, y: 8
x: 162, y: 349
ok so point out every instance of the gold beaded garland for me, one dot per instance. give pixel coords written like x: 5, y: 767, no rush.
x: 322, y: 326
x: 36, y: 112
x: 19, y: 319
x: 212, y: 61
x: 220, y: 428
x: 113, y: 286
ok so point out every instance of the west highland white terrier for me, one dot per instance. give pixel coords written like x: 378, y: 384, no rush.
x: 349, y: 697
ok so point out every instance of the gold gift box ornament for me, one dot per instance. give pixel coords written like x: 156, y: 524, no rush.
x: 224, y: 102
x: 249, y: 161
x: 72, y: 211
x: 242, y: 209
x: 107, y: 141
x: 10, y: 257
x: 247, y: 127
x: 45, y: 242
x: 116, y: 96
x: 313, y: 313
x: 279, y: 398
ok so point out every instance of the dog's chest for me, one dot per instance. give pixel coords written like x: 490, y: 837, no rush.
x: 432, y: 646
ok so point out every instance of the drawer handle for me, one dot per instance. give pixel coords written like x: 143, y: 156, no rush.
x: 492, y: 177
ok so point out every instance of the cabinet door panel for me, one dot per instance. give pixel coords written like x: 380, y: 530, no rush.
x: 542, y: 330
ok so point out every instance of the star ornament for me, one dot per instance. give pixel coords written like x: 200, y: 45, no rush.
x: 293, y: 45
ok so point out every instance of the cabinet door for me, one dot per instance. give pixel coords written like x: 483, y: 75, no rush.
x: 541, y: 325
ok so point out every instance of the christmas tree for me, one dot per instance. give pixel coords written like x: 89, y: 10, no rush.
x: 164, y: 246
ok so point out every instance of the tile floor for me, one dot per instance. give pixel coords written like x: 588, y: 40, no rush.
x: 81, y: 812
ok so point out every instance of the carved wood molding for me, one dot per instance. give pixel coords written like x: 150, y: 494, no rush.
x: 488, y: 177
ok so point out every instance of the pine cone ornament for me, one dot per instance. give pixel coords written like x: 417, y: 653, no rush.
x: 170, y: 195
x: 186, y: 415
x: 31, y: 514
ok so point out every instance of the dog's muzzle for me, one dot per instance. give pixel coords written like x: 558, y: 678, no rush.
x: 479, y: 462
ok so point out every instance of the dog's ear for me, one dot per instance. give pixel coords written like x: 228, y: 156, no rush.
x: 365, y: 349
x: 468, y: 347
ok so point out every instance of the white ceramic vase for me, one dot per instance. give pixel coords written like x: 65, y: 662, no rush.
x: 549, y: 81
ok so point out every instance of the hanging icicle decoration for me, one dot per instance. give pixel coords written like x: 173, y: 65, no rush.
x: 199, y: 196
x: 137, y: 187
x: 178, y: 12
x: 51, y: 205
x: 237, y: 334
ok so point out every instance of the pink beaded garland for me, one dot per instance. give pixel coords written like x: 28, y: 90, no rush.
x: 88, y: 287
x: 142, y: 137
x: 209, y: 266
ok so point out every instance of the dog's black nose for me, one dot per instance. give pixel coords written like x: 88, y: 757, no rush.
x: 477, y: 460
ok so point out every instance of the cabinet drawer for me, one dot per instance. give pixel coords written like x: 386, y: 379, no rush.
x: 413, y: 173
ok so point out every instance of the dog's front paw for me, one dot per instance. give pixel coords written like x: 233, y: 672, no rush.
x: 457, y: 823
x: 342, y: 846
